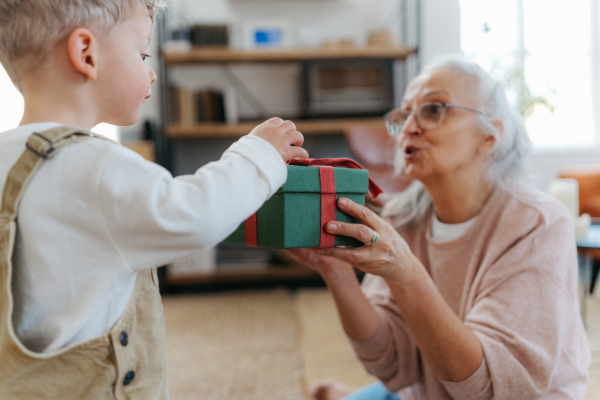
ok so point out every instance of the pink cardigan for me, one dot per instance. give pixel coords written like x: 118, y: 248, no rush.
x: 513, y: 279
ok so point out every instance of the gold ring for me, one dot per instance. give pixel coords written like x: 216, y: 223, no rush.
x: 374, y: 239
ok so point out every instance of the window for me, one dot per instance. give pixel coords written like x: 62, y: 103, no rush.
x: 11, y: 109
x: 11, y: 103
x: 545, y: 51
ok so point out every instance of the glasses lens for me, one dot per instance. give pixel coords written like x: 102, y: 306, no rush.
x: 430, y: 115
x: 395, y: 119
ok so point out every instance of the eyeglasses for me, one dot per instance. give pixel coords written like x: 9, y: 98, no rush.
x: 428, y: 116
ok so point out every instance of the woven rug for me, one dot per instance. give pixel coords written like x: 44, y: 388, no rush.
x: 324, y: 349
x: 238, y: 346
x: 265, y: 345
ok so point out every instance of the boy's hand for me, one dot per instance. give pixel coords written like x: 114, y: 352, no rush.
x: 282, y: 135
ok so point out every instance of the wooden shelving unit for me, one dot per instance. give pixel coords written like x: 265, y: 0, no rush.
x: 144, y: 148
x: 225, y: 55
x: 272, y: 273
x: 307, y: 127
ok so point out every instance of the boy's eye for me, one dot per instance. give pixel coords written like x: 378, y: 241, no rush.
x: 144, y: 56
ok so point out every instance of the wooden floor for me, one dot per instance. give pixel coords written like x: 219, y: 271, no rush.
x: 258, y: 345
x: 593, y: 333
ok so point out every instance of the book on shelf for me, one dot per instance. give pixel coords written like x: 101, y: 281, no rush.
x: 188, y: 107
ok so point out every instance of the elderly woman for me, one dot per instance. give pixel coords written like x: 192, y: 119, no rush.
x: 471, y: 285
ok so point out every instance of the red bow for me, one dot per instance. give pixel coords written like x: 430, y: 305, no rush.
x: 374, y: 188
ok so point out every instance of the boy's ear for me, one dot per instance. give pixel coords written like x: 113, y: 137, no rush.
x: 83, y: 52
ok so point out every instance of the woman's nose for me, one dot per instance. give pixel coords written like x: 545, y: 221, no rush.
x: 411, y: 128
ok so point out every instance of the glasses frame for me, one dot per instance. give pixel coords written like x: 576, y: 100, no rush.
x: 394, y: 129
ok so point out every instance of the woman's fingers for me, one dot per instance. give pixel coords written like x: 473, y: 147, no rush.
x: 361, y: 232
x: 298, y: 254
x: 351, y: 256
x: 312, y: 259
x: 362, y: 213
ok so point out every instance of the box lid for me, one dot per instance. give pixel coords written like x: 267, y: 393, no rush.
x: 307, y: 180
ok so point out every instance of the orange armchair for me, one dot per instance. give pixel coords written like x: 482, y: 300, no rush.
x: 588, y: 177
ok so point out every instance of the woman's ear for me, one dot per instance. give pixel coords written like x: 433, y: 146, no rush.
x: 489, y: 141
x: 83, y: 52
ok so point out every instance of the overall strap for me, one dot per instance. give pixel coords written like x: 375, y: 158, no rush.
x: 40, y: 146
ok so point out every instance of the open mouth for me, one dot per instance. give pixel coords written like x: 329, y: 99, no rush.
x: 410, y: 151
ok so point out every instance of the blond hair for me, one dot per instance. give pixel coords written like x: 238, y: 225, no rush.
x: 33, y: 28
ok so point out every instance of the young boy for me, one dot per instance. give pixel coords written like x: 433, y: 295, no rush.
x: 85, y: 222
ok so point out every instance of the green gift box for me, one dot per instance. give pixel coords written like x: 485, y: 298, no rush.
x: 295, y: 216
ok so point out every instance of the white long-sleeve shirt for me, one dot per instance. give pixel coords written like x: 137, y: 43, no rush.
x: 96, y: 214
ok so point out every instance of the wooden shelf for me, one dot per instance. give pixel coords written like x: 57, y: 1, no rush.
x: 272, y: 273
x: 145, y: 148
x: 307, y: 127
x: 201, y: 55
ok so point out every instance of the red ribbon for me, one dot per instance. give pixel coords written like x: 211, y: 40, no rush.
x: 251, y: 230
x: 374, y: 188
x: 328, y: 208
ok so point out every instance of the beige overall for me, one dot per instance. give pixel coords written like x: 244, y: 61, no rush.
x: 126, y: 363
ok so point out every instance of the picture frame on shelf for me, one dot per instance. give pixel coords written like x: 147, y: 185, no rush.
x: 267, y: 34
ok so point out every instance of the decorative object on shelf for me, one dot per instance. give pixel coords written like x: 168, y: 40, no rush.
x: 270, y: 33
x: 209, y: 35
x: 339, y: 44
x: 309, y: 36
x: 566, y: 190
x: 179, y: 42
x: 381, y: 39
x: 582, y: 225
x: 296, y: 215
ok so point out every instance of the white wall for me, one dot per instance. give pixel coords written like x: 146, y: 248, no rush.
x: 440, y: 29
x: 331, y: 19
x: 334, y: 19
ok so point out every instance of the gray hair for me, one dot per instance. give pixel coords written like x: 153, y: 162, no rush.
x: 30, y: 29
x: 506, y: 160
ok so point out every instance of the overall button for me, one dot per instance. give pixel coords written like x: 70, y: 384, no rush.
x: 128, y: 378
x: 124, y: 338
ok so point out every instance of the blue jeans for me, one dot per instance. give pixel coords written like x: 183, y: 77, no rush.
x: 375, y: 391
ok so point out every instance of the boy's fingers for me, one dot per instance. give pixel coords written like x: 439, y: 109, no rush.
x: 274, y: 121
x: 298, y: 152
x: 296, y: 138
x: 287, y: 126
x: 361, y: 232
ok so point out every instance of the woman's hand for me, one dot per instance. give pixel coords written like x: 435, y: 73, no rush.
x: 325, y: 265
x: 359, y: 318
x: 390, y: 257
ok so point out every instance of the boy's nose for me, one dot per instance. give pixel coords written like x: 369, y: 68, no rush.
x: 152, y: 76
